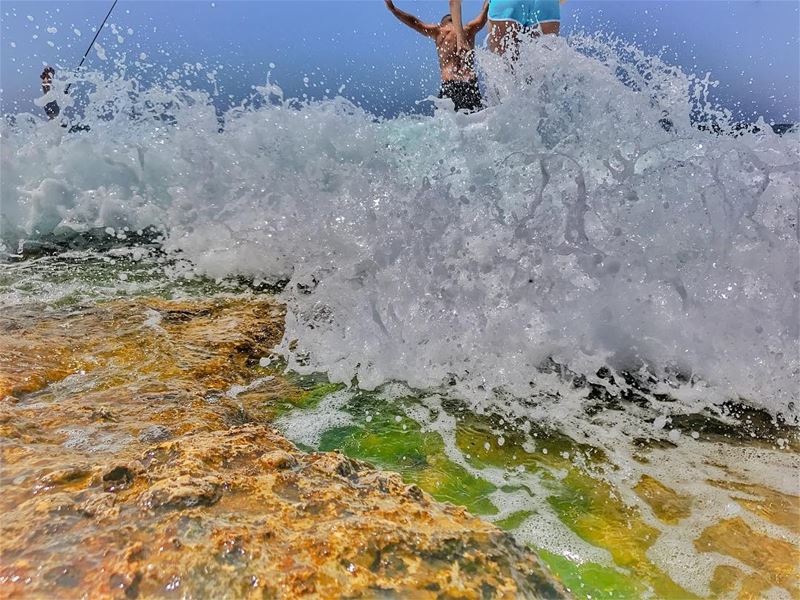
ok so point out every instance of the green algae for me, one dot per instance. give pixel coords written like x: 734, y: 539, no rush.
x: 311, y: 398
x: 383, y: 434
x: 593, y: 510
x: 591, y: 581
x: 418, y: 456
x: 514, y: 520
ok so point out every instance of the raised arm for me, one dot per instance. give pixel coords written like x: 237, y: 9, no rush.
x: 412, y: 21
x: 461, y: 37
x: 478, y: 23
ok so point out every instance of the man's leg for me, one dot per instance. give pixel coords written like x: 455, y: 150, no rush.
x: 504, y: 38
x: 550, y: 28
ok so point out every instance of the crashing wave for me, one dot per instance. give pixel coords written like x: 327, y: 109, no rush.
x: 562, y: 225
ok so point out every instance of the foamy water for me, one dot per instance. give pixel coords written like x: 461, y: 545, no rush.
x: 561, y: 226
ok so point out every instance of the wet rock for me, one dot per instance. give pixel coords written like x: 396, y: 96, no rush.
x: 413, y: 492
x: 63, y: 577
x: 128, y: 480
x: 278, y: 459
x: 215, y: 523
x: 743, y: 423
x: 771, y: 505
x: 55, y: 503
x: 777, y: 561
x: 337, y: 464
x: 118, y: 478
x: 154, y: 433
x: 668, y: 505
x: 65, y: 476
x: 127, y: 583
x: 182, y: 492
x: 99, y: 506
x: 725, y: 579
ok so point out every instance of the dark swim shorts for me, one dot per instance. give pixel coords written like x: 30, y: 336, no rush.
x: 51, y: 109
x: 466, y: 95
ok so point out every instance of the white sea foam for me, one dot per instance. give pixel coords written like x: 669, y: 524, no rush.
x: 561, y: 223
x: 308, y: 428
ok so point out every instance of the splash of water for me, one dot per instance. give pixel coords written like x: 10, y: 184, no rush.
x: 562, y: 225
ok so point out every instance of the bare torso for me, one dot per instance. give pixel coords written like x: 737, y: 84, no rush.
x: 454, y: 65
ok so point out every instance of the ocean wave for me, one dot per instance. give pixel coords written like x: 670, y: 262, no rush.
x: 581, y: 220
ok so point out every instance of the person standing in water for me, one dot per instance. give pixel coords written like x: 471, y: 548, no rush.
x: 459, y: 81
x: 51, y: 109
x: 509, y: 20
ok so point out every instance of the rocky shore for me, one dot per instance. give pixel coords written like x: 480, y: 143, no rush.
x: 135, y: 464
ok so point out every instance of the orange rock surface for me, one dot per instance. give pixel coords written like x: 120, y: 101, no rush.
x: 131, y: 468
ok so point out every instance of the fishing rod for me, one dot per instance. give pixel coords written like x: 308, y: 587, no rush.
x: 89, y: 49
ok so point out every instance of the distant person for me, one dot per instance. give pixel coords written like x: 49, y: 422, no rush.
x: 509, y: 20
x: 51, y: 109
x: 459, y: 81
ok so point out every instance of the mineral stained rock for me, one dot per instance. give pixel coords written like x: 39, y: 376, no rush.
x: 131, y: 468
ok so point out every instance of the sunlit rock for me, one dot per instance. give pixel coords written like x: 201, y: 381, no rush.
x: 137, y: 464
x: 668, y: 505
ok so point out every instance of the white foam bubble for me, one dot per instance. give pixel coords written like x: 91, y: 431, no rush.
x: 307, y: 427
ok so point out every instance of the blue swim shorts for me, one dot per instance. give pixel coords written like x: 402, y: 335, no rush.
x: 528, y: 13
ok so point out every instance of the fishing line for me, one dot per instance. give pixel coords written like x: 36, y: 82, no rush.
x: 99, y: 29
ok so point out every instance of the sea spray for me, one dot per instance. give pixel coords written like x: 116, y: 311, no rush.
x: 563, y: 230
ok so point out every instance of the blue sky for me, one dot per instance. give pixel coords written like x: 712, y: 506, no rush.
x: 751, y: 46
